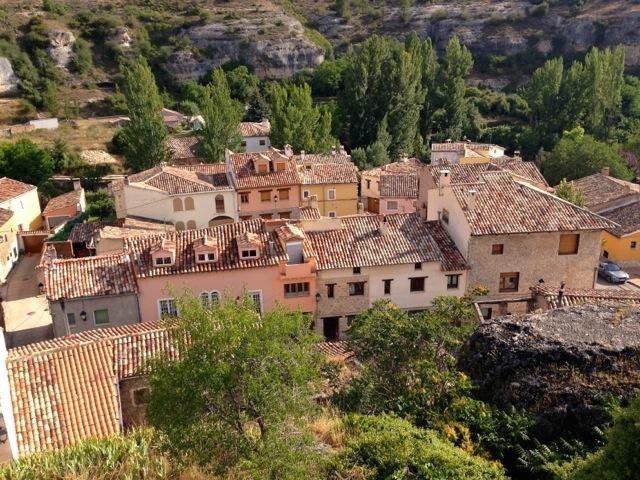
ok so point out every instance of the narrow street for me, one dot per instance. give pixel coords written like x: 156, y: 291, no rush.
x: 26, y: 311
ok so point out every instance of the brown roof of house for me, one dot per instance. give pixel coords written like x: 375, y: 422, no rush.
x: 627, y: 217
x: 185, y: 147
x: 399, y: 186
x: 65, y: 200
x: 599, y: 189
x: 89, y: 277
x: 85, y: 232
x: 183, y: 179
x: 578, y: 296
x: 228, y: 258
x: 5, y: 215
x: 460, y: 147
x: 359, y: 242
x: 328, y: 173
x: 10, y: 188
x: 255, y: 129
x: 471, y: 172
x: 406, y: 166
x: 65, y: 390
x: 506, y: 206
x: 245, y: 174
x: 309, y: 213
x: 322, y: 158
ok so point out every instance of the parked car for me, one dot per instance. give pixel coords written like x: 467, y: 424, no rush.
x: 612, y: 272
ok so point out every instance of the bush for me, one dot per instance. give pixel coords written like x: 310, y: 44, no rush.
x: 82, y: 61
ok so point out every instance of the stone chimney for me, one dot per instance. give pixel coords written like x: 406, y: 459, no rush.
x: 77, y: 186
x: 342, y: 150
x: 445, y: 178
x: 302, y: 154
x: 383, y: 226
x: 605, y: 171
x: 288, y: 150
x: 333, y: 150
x: 471, y: 199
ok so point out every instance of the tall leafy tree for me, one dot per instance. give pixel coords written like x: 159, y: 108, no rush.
x: 25, y: 161
x: 542, y: 93
x: 240, y: 392
x: 222, y: 115
x: 296, y: 121
x: 145, y: 136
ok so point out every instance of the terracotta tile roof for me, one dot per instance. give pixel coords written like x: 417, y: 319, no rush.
x: 627, y: 216
x: 65, y: 390
x: 506, y: 206
x: 185, y: 147
x: 335, y: 350
x: 461, y: 147
x: 578, y: 296
x: 322, y: 158
x: 65, y: 200
x: 5, y: 215
x: 407, y: 166
x: 10, y: 188
x: 328, y: 173
x: 255, y: 129
x: 85, y: 232
x: 399, y: 185
x: 408, y: 239
x: 309, y: 213
x: 89, y: 277
x: 245, y: 174
x: 289, y: 232
x: 226, y: 235
x: 179, y: 180
x: 600, y: 189
x: 172, y: 115
x: 471, y: 172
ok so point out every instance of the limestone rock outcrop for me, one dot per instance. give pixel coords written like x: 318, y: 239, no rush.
x: 61, y: 46
x: 8, y: 79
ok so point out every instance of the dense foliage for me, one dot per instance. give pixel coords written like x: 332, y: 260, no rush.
x: 25, y: 161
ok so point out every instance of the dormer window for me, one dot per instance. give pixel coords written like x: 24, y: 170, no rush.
x: 280, y: 166
x: 163, y: 261
x: 248, y: 254
x: 205, y: 249
x: 249, y: 245
x: 164, y: 253
x: 263, y: 168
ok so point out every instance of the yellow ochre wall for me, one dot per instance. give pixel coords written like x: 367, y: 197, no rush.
x: 619, y: 248
x: 346, y: 202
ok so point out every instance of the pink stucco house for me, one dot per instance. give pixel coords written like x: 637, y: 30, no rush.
x: 391, y: 188
x: 268, y: 260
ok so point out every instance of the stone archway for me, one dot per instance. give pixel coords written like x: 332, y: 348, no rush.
x: 220, y: 220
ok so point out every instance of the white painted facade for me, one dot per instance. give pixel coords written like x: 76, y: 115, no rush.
x: 256, y: 144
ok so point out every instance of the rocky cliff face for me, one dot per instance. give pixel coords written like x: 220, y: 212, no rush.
x: 560, y: 365
x: 8, y: 79
x: 61, y: 46
x: 270, y: 42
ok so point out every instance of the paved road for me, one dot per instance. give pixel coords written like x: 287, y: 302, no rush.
x: 26, y: 311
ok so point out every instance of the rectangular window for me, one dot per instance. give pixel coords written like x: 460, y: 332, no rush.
x: 163, y: 261
x: 445, y: 215
x: 263, y: 168
x: 453, y: 281
x: 71, y: 319
x: 167, y: 307
x: 387, y: 286
x: 417, y: 266
x: 306, y: 194
x: 101, y: 317
x: 392, y: 205
x: 633, y: 245
x: 249, y: 253
x: 265, y: 195
x: 263, y: 142
x: 509, y: 282
x: 243, y: 143
x: 331, y: 194
x: 202, y: 257
x: 497, y: 249
x: 416, y: 284
x: 256, y: 297
x: 296, y: 289
x: 332, y: 214
x: 368, y: 184
x: 331, y: 288
x: 569, y: 243
x: 356, y: 289
x: 357, y: 270
x: 283, y: 194
x: 244, y: 197
x: 280, y: 166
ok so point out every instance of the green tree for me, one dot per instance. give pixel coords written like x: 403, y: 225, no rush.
x: 241, y: 390
x: 145, y: 135
x: 82, y: 61
x: 100, y: 205
x: 387, y: 447
x: 578, y: 154
x: 571, y: 193
x: 327, y: 80
x: 296, y: 121
x: 50, y: 100
x: 222, y: 115
x: 25, y: 161
x: 243, y: 84
x: 377, y: 153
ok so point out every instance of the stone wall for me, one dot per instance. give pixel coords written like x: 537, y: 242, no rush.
x: 133, y: 402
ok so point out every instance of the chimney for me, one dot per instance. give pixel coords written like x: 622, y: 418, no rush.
x: 561, y: 294
x: 383, y: 226
x: 448, y: 140
x: 77, y: 186
x: 516, y: 154
x: 126, y: 179
x: 227, y: 156
x: 605, y: 171
x: 342, y: 150
x: 302, y: 154
x: 333, y: 149
x: 360, y: 207
x: 471, y: 199
x: 288, y: 151
x: 445, y: 178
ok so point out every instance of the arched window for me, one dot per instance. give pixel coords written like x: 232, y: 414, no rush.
x: 188, y: 204
x: 177, y: 205
x: 191, y: 225
x: 219, y: 204
x: 210, y: 299
x: 179, y: 226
